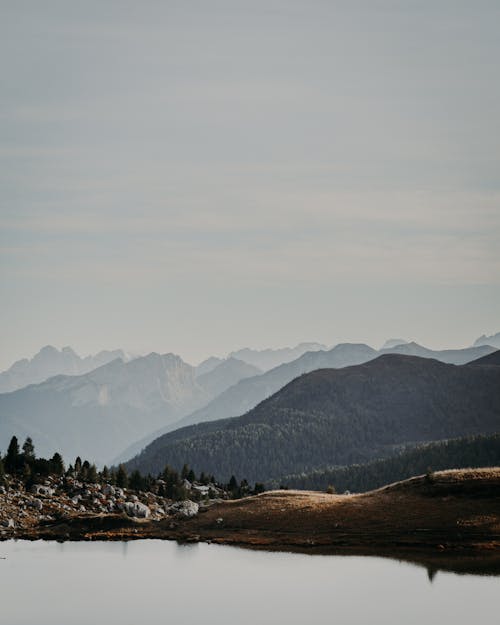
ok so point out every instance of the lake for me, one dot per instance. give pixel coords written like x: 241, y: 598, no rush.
x: 152, y: 581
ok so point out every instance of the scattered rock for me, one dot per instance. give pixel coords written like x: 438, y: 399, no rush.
x: 136, y: 509
x: 186, y: 509
x: 42, y: 489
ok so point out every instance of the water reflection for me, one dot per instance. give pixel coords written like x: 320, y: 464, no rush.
x: 125, y: 583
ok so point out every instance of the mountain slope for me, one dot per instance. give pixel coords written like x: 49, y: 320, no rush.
x: 451, y: 356
x: 490, y: 359
x: 247, y: 394
x: 266, y: 359
x: 493, y: 340
x: 110, y: 408
x: 49, y: 362
x: 217, y: 380
x: 99, y: 413
x: 339, y: 417
x: 461, y: 453
x: 226, y: 374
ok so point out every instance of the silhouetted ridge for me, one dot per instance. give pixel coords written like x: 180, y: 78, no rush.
x: 339, y: 417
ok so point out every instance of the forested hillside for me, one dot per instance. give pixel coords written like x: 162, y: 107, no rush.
x: 339, y: 417
x: 477, y: 451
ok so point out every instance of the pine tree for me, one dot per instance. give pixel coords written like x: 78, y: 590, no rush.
x: 12, y: 457
x: 136, y: 481
x: 2, y: 472
x: 121, y: 477
x: 92, y: 474
x: 57, y: 464
x: 185, y: 472
x: 28, y: 449
x: 78, y: 465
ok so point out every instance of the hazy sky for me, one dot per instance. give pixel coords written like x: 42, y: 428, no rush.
x: 200, y: 176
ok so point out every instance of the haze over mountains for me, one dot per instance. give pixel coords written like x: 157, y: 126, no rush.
x: 100, y: 413
x: 493, y: 340
x: 49, y: 362
x: 113, y: 411
x: 339, y: 417
x: 250, y: 391
x: 266, y: 359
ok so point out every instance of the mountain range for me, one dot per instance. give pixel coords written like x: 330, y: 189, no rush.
x: 245, y: 395
x: 49, y: 362
x: 98, y: 414
x: 110, y: 413
x: 266, y: 359
x: 493, y: 340
x: 339, y: 417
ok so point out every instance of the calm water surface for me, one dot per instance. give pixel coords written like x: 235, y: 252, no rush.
x: 47, y: 583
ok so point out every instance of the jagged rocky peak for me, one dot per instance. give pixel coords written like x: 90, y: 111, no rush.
x: 49, y: 362
x: 493, y: 340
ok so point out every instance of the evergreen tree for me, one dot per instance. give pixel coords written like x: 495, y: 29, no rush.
x: 136, y: 481
x: 28, y: 449
x: 2, y: 472
x: 204, y: 479
x: 185, y: 472
x: 105, y: 474
x: 121, y: 477
x: 57, y: 464
x: 92, y: 474
x: 12, y: 457
x: 84, y: 470
x: 191, y: 476
x: 78, y: 465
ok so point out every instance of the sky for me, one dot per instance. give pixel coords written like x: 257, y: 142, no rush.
x: 197, y: 177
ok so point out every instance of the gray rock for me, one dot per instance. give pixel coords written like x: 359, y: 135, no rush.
x: 40, y: 489
x: 186, y: 509
x: 136, y: 509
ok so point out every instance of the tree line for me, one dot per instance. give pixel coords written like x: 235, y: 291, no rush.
x: 23, y: 464
x: 473, y: 451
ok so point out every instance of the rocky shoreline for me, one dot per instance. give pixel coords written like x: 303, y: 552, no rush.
x: 58, y: 500
x: 451, y: 516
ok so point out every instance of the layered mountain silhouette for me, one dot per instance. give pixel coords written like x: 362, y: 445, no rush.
x: 98, y: 414
x: 339, y: 417
x: 452, y: 356
x: 249, y: 392
x: 49, y: 362
x: 493, y: 340
x: 266, y: 359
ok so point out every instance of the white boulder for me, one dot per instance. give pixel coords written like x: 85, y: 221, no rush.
x: 186, y: 509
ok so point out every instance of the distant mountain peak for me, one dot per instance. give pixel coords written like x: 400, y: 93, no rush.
x: 49, y: 362
x: 390, y: 343
x: 493, y: 340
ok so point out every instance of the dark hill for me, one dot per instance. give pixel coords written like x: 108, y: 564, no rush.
x: 249, y: 392
x: 489, y: 359
x: 338, y: 417
x: 460, y: 453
